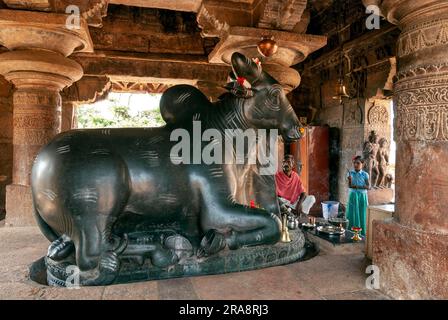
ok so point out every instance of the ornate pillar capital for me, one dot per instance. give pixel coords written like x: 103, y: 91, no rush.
x: 39, y: 44
x: 406, y: 12
x: 39, y: 69
x: 49, y: 31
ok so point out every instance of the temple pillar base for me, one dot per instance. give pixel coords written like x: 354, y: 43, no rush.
x: 19, y: 206
x: 412, y: 263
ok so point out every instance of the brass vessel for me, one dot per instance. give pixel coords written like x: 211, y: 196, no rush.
x: 267, y: 47
x: 285, y: 233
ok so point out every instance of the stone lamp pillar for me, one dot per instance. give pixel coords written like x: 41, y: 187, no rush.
x: 411, y: 251
x: 38, y: 66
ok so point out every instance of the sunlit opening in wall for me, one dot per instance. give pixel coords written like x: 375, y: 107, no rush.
x: 122, y: 110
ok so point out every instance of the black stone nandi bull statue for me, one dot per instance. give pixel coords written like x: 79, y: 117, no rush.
x: 113, y: 203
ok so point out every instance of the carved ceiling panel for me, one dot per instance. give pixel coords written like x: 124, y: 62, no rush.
x: 145, y: 30
x: 184, y: 5
x: 282, y: 15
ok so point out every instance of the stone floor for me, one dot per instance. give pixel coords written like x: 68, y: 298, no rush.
x: 323, y: 277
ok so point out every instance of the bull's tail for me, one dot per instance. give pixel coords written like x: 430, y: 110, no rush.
x: 49, y: 233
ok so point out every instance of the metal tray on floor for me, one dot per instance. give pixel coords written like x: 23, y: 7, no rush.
x: 331, y: 230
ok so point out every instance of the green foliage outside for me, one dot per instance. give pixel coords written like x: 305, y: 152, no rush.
x: 117, y: 116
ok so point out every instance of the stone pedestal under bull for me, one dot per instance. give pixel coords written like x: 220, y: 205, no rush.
x: 122, y: 205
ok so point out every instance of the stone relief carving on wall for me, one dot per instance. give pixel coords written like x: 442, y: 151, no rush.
x: 376, y: 161
x: 352, y: 114
x: 369, y: 152
x: 378, y: 115
x: 357, y: 83
x: 383, y: 162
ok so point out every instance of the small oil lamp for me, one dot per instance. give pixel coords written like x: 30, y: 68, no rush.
x: 356, y: 237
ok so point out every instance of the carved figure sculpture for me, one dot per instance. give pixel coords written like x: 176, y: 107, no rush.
x: 102, y: 196
x: 370, y: 152
x: 383, y: 162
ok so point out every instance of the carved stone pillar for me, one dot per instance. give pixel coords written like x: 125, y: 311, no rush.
x: 36, y: 119
x: 5, y: 141
x: 38, y: 67
x: 411, y: 251
x: 68, y: 116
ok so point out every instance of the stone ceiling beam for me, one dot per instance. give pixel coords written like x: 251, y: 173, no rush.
x: 91, y: 10
x: 184, y: 5
x: 152, y: 66
x: 41, y: 5
x: 141, y: 30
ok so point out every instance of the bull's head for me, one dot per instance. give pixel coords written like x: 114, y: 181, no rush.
x: 266, y: 105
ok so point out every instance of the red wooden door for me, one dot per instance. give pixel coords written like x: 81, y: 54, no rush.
x: 313, y: 151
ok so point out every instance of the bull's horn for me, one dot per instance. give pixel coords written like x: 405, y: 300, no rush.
x: 245, y: 67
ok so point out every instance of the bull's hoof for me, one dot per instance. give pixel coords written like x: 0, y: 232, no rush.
x: 106, y: 272
x: 61, y: 248
x: 232, y: 242
x: 109, y: 263
x: 211, y: 243
x: 61, y: 273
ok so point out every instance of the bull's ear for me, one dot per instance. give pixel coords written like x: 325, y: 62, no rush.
x: 245, y: 67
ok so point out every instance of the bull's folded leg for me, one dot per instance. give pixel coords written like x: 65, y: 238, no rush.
x: 105, y: 273
x: 252, y: 238
x: 97, y: 250
x: 244, y: 226
x: 61, y: 248
x: 248, y: 227
x: 102, y: 268
x: 211, y: 243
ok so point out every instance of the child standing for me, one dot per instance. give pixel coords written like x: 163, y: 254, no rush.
x: 358, y: 183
